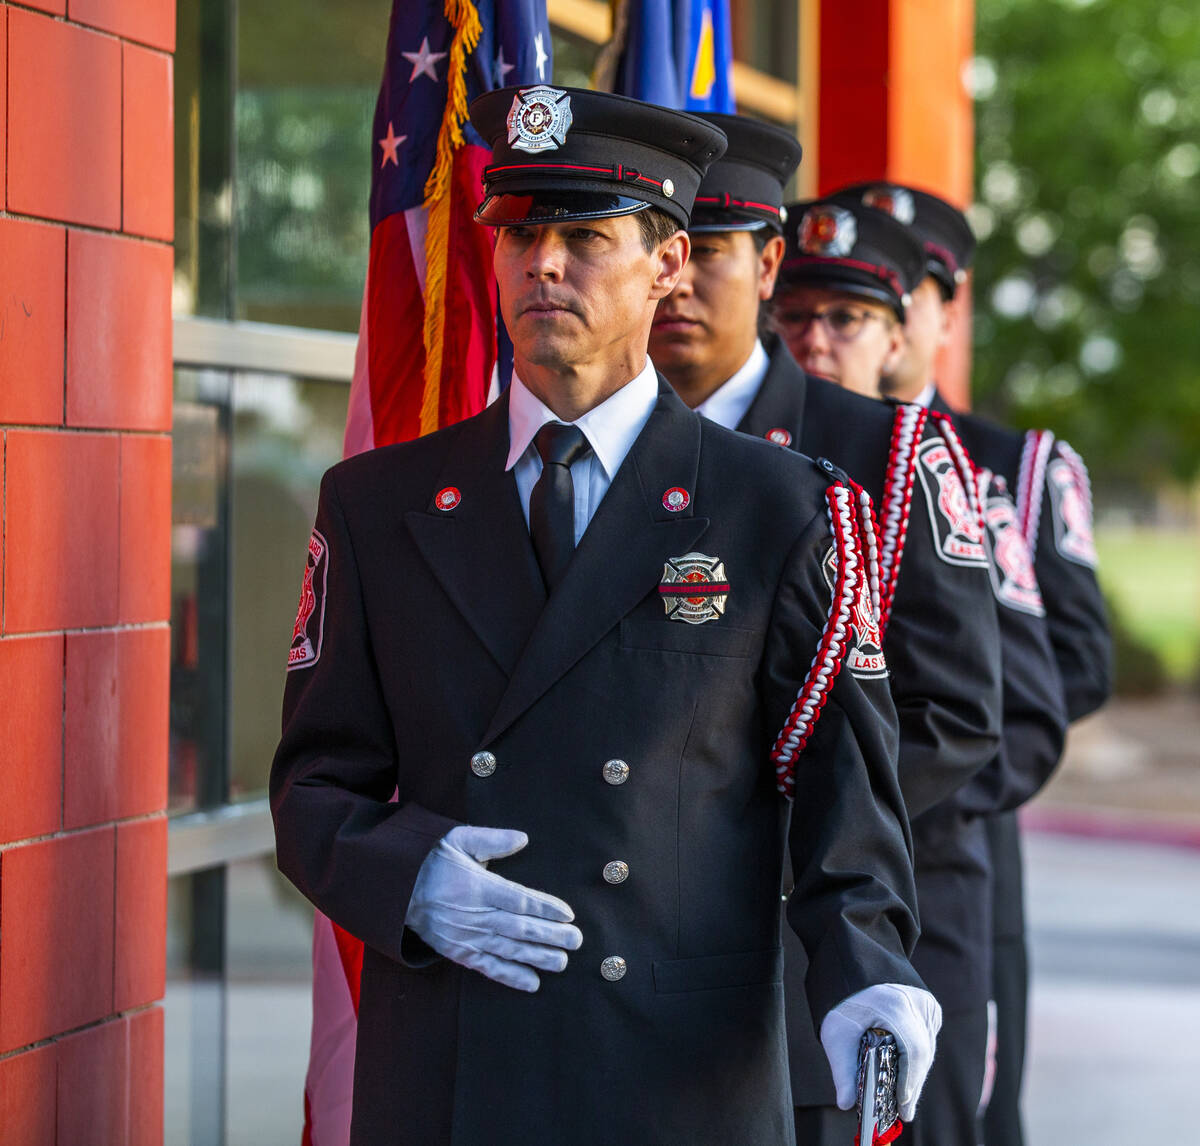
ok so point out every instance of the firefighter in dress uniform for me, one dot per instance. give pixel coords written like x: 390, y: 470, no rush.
x: 1053, y: 519
x: 593, y: 643
x: 941, y: 640
x: 859, y: 268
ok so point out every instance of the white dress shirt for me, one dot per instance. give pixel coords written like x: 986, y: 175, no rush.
x: 926, y: 395
x: 727, y: 406
x: 610, y: 428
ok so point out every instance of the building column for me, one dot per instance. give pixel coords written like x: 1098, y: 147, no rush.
x: 893, y: 105
x: 85, y: 417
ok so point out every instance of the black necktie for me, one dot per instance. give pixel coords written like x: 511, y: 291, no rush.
x: 552, y: 502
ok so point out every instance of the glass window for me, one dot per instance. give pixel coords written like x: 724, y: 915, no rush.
x: 306, y: 85
x: 250, y: 450
x: 286, y: 433
x: 238, y: 1007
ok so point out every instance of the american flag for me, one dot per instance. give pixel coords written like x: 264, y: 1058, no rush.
x: 430, y: 266
x: 427, y: 345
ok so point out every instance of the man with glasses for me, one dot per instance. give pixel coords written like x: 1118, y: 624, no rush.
x: 939, y: 639
x: 592, y: 643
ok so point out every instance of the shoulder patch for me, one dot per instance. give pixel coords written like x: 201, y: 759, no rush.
x: 1014, y: 581
x: 308, y: 633
x: 1071, y: 507
x: 952, y: 514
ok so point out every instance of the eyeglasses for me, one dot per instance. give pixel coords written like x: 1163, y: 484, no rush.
x: 841, y: 323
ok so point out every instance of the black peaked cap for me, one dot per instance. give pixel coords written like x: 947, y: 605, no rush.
x: 841, y: 244
x: 743, y: 190
x: 942, y: 227
x: 568, y: 153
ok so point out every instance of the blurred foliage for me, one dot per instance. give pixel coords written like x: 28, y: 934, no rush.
x: 1087, y: 283
x: 1151, y: 578
x: 1138, y: 668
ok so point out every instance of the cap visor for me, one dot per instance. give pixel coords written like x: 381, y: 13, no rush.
x: 508, y: 210
x: 821, y: 278
x: 708, y: 222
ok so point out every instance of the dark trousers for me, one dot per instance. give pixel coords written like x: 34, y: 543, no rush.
x: 825, y: 1126
x: 1010, y: 984
x: 948, y: 1111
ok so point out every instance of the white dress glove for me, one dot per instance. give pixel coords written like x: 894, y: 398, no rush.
x: 483, y: 921
x: 909, y: 1013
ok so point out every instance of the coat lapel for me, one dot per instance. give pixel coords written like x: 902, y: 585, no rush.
x: 480, y: 550
x: 620, y: 558
x: 779, y: 403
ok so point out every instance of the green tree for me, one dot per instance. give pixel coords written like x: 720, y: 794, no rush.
x: 1087, y: 284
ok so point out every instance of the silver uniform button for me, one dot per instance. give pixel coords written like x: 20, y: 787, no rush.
x: 616, y: 871
x: 616, y: 771
x: 613, y: 968
x: 483, y: 764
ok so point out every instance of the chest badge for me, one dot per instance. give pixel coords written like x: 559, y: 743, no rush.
x: 694, y: 588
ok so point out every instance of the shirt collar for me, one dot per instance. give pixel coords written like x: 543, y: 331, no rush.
x: 610, y: 428
x: 728, y: 404
x: 926, y: 396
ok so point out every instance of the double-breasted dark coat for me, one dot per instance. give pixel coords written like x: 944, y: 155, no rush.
x: 617, y: 733
x: 942, y: 646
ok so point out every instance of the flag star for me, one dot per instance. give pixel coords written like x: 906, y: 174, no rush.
x: 423, y: 61
x: 502, y: 69
x: 540, y: 62
x: 390, y: 144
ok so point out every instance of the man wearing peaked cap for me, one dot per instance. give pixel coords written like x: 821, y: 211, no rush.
x: 939, y: 635
x: 592, y: 680
x: 1045, y: 476
x: 949, y: 244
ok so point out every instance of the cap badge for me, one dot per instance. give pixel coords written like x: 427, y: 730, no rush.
x: 829, y: 231
x: 694, y: 588
x: 779, y: 436
x: 676, y: 499
x: 539, y: 119
x: 896, y: 201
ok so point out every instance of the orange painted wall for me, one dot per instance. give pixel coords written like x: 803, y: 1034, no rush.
x: 892, y: 104
x: 86, y: 222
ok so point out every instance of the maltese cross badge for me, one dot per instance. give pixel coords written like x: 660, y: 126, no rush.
x: 694, y: 588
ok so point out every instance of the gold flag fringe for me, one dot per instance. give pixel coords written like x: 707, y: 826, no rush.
x: 464, y: 18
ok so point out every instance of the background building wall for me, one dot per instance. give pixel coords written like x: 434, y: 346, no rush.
x: 892, y: 103
x: 85, y: 420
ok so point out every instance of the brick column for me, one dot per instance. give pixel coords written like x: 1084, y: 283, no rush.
x: 892, y: 105
x: 85, y: 416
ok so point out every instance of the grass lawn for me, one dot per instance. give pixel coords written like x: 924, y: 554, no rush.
x: 1154, y: 577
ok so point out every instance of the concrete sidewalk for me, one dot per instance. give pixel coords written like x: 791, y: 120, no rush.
x: 1115, y: 945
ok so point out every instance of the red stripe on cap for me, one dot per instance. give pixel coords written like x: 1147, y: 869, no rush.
x: 943, y: 255
x: 546, y: 167
x: 888, y: 276
x: 728, y: 201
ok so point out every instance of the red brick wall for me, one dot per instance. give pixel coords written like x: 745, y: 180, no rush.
x: 85, y: 417
x: 892, y: 105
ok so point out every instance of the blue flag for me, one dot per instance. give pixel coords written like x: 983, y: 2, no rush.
x: 679, y: 53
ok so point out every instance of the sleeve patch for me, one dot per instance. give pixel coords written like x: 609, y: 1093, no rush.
x: 1014, y: 581
x: 308, y: 633
x: 1071, y: 510
x: 956, y: 526
x: 864, y: 649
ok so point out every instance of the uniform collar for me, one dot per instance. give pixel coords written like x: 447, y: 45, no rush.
x: 610, y: 428
x: 728, y: 404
